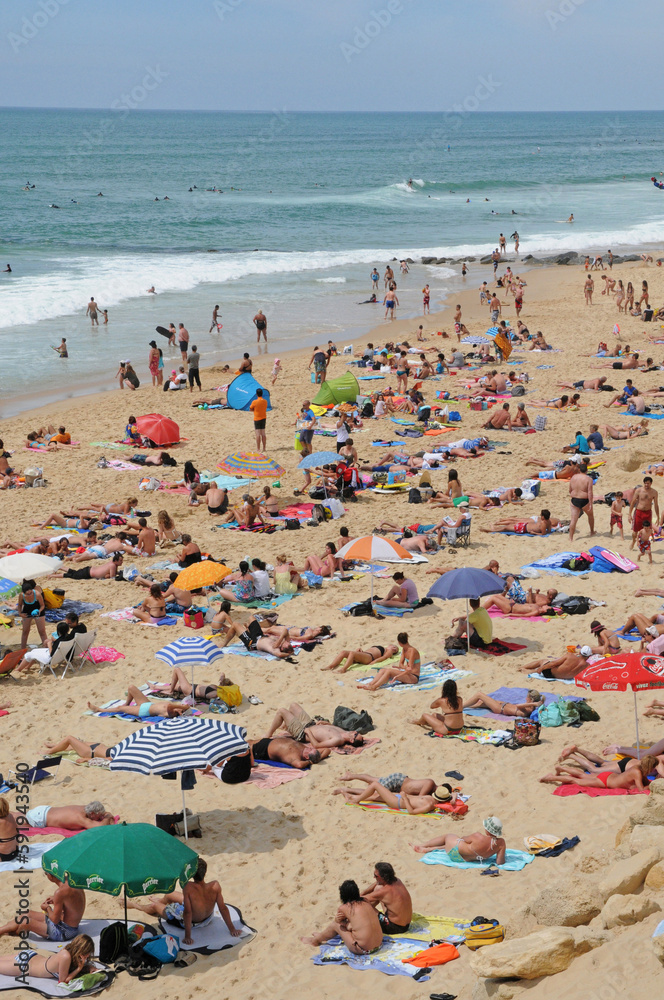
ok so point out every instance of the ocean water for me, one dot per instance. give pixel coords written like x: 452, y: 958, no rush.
x: 306, y: 205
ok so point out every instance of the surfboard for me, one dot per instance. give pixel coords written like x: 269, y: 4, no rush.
x: 164, y: 332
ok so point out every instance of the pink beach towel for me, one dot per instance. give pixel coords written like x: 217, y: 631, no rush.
x: 594, y: 792
x: 50, y: 831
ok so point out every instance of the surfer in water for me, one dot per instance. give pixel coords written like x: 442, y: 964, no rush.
x: 571, y: 218
x: 7, y: 270
x: 151, y: 290
x: 410, y: 184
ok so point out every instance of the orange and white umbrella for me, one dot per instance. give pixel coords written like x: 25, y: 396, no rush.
x: 373, y: 549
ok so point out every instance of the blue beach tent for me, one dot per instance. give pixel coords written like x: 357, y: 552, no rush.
x: 242, y: 392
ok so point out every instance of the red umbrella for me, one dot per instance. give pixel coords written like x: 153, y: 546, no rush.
x: 162, y: 430
x: 639, y: 671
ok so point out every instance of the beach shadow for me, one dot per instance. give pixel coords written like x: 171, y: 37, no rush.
x: 251, y: 831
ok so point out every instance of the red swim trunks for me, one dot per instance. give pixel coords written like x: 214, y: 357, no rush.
x: 642, y: 519
x: 616, y: 519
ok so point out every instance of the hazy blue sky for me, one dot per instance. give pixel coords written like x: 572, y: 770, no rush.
x: 359, y: 55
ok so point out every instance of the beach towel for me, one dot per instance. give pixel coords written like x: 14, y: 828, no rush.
x: 68, y: 606
x: 257, y: 528
x: 498, y: 647
x: 72, y: 757
x: 118, y: 702
x: 431, y: 676
x: 28, y: 860
x: 226, y: 482
x: 558, y: 680
x: 515, y: 861
x: 265, y: 775
x: 495, y: 613
x: 515, y: 696
x: 121, y: 466
x: 50, y: 988
x: 458, y: 809
x: 238, y: 649
x: 261, y: 602
x: 395, y: 951
x: 104, y: 654
x: 52, y: 831
x: 471, y: 735
x: 565, y: 790
x: 127, y: 615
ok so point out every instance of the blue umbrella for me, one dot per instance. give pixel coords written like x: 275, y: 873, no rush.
x: 319, y: 458
x: 466, y: 581
x: 492, y: 331
x: 476, y: 338
x: 191, y: 650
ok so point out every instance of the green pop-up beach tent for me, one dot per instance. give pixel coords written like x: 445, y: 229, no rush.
x: 344, y: 389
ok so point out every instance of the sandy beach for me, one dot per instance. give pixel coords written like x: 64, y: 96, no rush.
x: 281, y: 853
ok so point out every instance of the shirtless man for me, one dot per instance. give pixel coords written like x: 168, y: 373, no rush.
x: 87, y: 817
x: 481, y: 846
x: 540, y: 526
x: 217, y: 500
x: 391, y: 899
x: 91, y: 311
x: 287, y: 751
x: 565, y: 667
x: 192, y: 907
x: 177, y: 595
x: 581, y: 501
x: 625, y: 365
x: 153, y: 608
x: 500, y: 420
x: 99, y: 550
x: 356, y: 922
x: 320, y: 735
x: 592, y: 384
x: 641, y: 508
x: 147, y: 537
x: 59, y: 917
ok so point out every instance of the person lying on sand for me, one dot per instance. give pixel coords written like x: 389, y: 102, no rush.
x: 356, y: 922
x: 655, y: 709
x: 142, y: 707
x: 73, y: 817
x: 624, y: 433
x: 396, y: 782
x: 521, y: 711
x: 193, y: 907
x: 541, y: 525
x: 573, y: 756
x: 320, y: 735
x: 635, y: 777
x: 450, y: 720
x: 66, y: 965
x: 565, y: 667
x: 416, y: 805
x: 121, y: 507
x: 652, y: 626
x: 69, y: 519
x: 591, y: 384
x: 100, y: 550
x: 390, y: 898
x: 85, y: 751
x: 181, y: 688
x: 287, y: 751
x: 372, y: 654
x: 481, y: 846
x: 407, y: 670
x: 59, y: 916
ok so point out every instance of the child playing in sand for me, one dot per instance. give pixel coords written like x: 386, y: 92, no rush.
x: 643, y: 540
x: 276, y: 368
x: 616, y: 515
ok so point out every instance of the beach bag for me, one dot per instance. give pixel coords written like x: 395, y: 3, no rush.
x: 53, y: 598
x: 164, y: 948
x: 193, y: 619
x: 231, y: 694
x: 424, y: 413
x: 292, y: 524
x: 367, y: 409
x: 518, y: 390
x: 482, y: 932
x: 579, y: 564
x: 575, y: 605
x: 335, y: 507
x: 454, y: 417
x: 586, y: 713
x: 321, y: 514
x: 298, y: 444
x: 414, y: 495
x: 540, y: 422
x: 113, y: 942
x: 526, y: 732
x: 149, y: 483
x: 551, y: 715
x: 569, y: 711
x: 353, y: 722
x: 452, y: 644
x: 361, y: 609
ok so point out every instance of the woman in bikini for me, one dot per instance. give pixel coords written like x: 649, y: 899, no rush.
x: 608, y: 642
x: 480, y: 846
x: 223, y: 626
x: 521, y: 711
x: 633, y: 777
x: 166, y: 528
x: 402, y: 372
x: 406, y: 672
x: 620, y: 295
x: 588, y: 290
x: 125, y: 507
x: 416, y: 805
x: 586, y: 761
x: 269, y: 502
x: 540, y: 526
x: 63, y: 966
x: 450, y: 721
x: 153, y: 608
x: 326, y: 566
x: 142, y: 707
x: 624, y: 433
x: 69, y: 519
x: 181, y: 687
x: 372, y: 654
x: 8, y: 833
x: 629, y: 297
x: 645, y: 296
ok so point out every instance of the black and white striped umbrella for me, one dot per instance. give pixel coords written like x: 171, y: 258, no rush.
x: 180, y: 744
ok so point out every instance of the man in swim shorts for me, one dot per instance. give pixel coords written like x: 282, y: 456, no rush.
x: 641, y: 507
x: 581, y: 500
x: 86, y: 817
x: 356, y: 922
x: 58, y: 918
x: 287, y: 751
x: 304, y: 729
x: 565, y: 667
x: 389, y: 892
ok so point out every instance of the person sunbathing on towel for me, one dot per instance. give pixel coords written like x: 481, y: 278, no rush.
x: 372, y: 654
x: 67, y: 519
x: 193, y: 907
x: 396, y: 782
x: 58, y: 918
x: 416, y: 805
x: 480, y: 846
x: 541, y: 525
x: 122, y: 507
x: 650, y: 627
x: 624, y: 433
x: 403, y: 594
x: 407, y: 670
x: 450, y: 720
x: 295, y: 632
x: 86, y: 751
x: 70, y: 962
x: 585, y: 760
x: 521, y: 711
x: 523, y: 609
x: 390, y: 898
x: 356, y: 922
x: 87, y: 817
x: 565, y: 667
x: 655, y: 709
x: 142, y: 708
x: 634, y: 777
x: 153, y: 608
x: 327, y: 566
x: 304, y: 729
x: 181, y: 687
x: 286, y: 750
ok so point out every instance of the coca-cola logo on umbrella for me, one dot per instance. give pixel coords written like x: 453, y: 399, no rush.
x: 653, y: 664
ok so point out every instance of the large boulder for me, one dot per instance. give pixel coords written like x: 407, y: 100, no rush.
x: 620, y: 911
x: 655, y: 877
x: 643, y: 838
x: 658, y: 943
x: 587, y: 938
x: 628, y: 875
x: 541, y: 954
x: 574, y: 901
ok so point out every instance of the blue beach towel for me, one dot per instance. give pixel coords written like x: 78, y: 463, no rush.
x: 515, y: 861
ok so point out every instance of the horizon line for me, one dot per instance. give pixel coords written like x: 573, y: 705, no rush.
x: 337, y: 111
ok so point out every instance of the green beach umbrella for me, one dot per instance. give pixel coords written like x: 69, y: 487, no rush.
x: 136, y: 858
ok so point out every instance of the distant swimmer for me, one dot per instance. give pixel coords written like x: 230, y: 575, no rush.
x: 191, y: 189
x: 514, y: 213
x: 100, y: 195
x: 61, y: 349
x: 91, y: 311
x: 7, y: 270
x: 73, y: 201
x: 156, y: 199
x: 216, y: 325
x: 166, y: 198
x: 151, y: 290
x: 364, y: 302
x: 105, y: 315
x: 410, y: 183
x: 54, y: 206
x: 571, y: 218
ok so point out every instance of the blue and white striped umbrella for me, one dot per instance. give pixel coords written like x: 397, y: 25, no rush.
x: 191, y: 650
x: 476, y: 338
x: 182, y: 744
x: 492, y: 331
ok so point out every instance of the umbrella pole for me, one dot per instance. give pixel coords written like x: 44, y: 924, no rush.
x: 125, y: 909
x: 636, y: 720
x: 184, y: 817
x: 467, y: 626
x: 372, y: 582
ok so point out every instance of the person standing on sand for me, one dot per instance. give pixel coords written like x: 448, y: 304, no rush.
x: 640, y: 509
x: 171, y: 334
x: 388, y: 277
x: 259, y: 409
x: 153, y: 362
x: 426, y: 298
x: 581, y: 501
x: 588, y: 290
x: 91, y: 311
x: 260, y: 322
x: 183, y: 337
x: 503, y: 244
x: 215, y: 320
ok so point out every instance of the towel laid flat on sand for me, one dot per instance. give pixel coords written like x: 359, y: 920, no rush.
x: 515, y: 861
x: 50, y: 988
x: 514, y: 696
x: 458, y: 809
x: 127, y: 615
x: 498, y: 647
x: 267, y: 776
x: 594, y: 792
x: 470, y: 735
x: 30, y: 860
x: 431, y: 676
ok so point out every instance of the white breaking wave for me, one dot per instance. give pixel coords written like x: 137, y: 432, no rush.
x: 331, y: 281
x: 66, y: 289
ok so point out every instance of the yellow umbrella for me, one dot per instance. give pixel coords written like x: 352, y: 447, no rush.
x: 201, y: 574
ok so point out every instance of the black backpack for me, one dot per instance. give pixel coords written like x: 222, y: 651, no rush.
x: 576, y: 606
x: 579, y: 564
x: 367, y: 409
x: 358, y: 722
x: 414, y: 495
x: 292, y: 524
x: 113, y: 942
x: 361, y: 609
